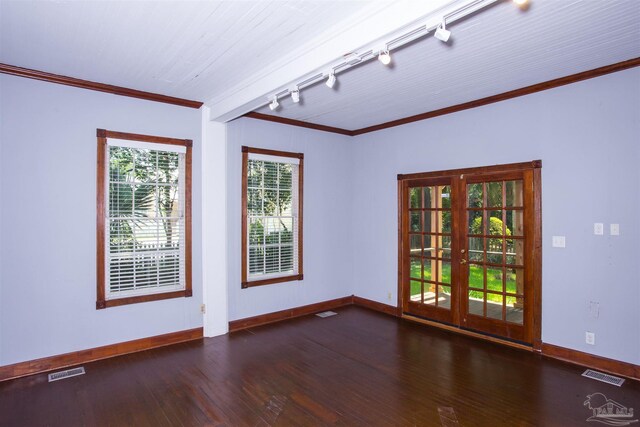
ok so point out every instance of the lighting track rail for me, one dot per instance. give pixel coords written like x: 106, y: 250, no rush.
x: 434, y: 22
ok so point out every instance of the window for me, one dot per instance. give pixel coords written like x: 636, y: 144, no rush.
x: 144, y: 218
x: 271, y: 216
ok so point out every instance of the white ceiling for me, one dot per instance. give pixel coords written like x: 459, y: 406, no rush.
x: 188, y: 49
x: 499, y: 49
x: 208, y: 50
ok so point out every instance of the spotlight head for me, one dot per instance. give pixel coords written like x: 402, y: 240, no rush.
x: 295, y: 95
x: 521, y: 2
x: 331, y: 80
x: 384, y: 57
x: 274, y: 104
x: 442, y: 33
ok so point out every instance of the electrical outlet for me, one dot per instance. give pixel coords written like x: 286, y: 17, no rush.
x: 590, y: 338
x: 203, y: 308
x: 598, y: 229
x: 614, y: 229
x: 389, y: 296
x: 558, y: 241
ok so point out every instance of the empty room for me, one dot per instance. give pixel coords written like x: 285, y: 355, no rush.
x: 319, y: 212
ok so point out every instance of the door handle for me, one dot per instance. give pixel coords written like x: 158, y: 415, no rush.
x: 463, y: 261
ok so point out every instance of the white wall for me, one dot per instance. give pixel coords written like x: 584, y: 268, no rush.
x: 48, y: 228
x: 327, y: 229
x: 587, y: 135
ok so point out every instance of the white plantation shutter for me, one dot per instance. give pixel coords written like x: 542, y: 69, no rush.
x: 272, y: 216
x: 145, y: 218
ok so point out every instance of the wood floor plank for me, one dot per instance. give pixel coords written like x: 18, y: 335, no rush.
x: 359, y: 368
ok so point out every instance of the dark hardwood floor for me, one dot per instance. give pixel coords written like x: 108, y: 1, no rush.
x: 359, y: 368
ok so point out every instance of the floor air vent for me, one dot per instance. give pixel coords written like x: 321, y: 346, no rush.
x: 326, y: 314
x: 605, y: 378
x: 66, y: 374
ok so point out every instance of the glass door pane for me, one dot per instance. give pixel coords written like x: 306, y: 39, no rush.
x: 495, y: 243
x: 429, y: 235
x: 494, y: 261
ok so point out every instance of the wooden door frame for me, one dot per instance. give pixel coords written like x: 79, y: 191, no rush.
x: 535, y: 215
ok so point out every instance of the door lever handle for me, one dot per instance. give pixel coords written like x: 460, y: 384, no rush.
x: 463, y: 261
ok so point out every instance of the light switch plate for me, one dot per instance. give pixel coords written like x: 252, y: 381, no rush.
x: 558, y: 241
x: 614, y: 229
x: 598, y: 229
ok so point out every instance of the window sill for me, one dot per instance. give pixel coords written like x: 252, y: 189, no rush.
x: 271, y: 281
x: 142, y: 298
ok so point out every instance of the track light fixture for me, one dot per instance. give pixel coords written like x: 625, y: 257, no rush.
x: 384, y: 57
x: 442, y: 33
x: 331, y: 81
x: 295, y: 95
x: 274, y: 104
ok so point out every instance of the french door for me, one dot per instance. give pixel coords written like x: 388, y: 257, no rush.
x: 470, y: 249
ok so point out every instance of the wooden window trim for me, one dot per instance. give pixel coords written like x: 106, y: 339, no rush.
x: 101, y: 301
x: 245, y: 158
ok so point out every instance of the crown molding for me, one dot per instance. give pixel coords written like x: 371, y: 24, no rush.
x: 100, y: 87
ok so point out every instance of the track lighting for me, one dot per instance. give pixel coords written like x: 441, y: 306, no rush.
x: 384, y: 57
x: 442, y: 33
x: 381, y: 50
x: 274, y: 104
x: 331, y: 80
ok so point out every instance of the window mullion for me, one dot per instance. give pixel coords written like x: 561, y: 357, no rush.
x: 133, y: 215
x: 264, y: 220
x: 278, y: 213
x: 107, y: 225
x: 158, y: 223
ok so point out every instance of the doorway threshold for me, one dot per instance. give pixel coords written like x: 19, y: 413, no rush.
x: 467, y: 332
